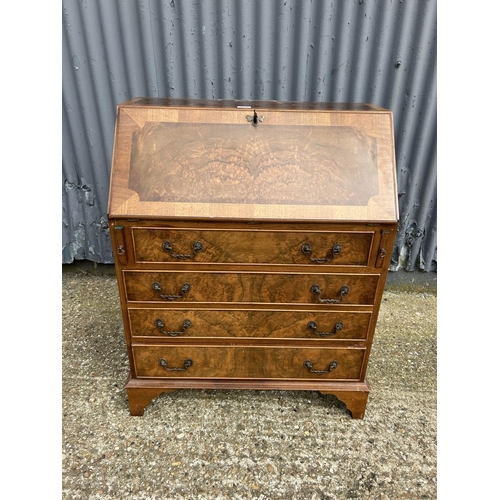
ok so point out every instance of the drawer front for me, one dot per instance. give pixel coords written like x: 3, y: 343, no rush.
x: 199, y: 323
x: 328, y: 289
x: 253, y: 247
x: 248, y: 362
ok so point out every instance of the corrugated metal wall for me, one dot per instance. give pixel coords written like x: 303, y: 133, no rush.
x: 379, y: 51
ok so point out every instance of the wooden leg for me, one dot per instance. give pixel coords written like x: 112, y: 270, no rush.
x: 355, y: 401
x: 139, y: 398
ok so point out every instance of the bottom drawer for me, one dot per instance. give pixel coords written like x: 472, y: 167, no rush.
x: 248, y: 362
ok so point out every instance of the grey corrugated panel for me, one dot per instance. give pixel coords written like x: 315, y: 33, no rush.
x: 415, y: 125
x: 87, y: 134
x: 374, y: 51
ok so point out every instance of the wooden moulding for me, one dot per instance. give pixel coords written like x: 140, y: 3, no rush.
x: 142, y: 392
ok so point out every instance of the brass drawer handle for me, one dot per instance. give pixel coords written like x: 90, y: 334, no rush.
x: 316, y: 290
x: 312, y: 326
x: 307, y: 250
x: 308, y: 364
x: 167, y: 247
x: 187, y: 364
x: 157, y: 289
x: 161, y: 326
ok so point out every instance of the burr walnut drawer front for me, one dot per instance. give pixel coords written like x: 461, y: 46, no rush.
x: 247, y: 362
x: 185, y: 286
x: 343, y: 248
x: 199, y: 323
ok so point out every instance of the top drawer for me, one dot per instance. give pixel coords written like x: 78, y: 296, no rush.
x: 336, y: 248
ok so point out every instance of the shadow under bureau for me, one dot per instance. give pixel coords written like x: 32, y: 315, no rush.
x: 252, y: 242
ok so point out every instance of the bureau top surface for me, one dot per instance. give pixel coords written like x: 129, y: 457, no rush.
x: 196, y: 159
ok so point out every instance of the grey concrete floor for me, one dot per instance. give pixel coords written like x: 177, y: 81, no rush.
x: 209, y: 444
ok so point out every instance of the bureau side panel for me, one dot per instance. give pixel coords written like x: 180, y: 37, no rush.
x: 383, y: 252
x: 122, y: 244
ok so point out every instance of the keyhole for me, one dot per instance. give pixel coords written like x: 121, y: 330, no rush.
x: 254, y: 119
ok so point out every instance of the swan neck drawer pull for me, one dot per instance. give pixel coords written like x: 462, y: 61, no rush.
x: 187, y: 364
x: 312, y: 326
x: 316, y: 290
x: 167, y: 247
x: 161, y: 326
x: 308, y: 364
x: 307, y: 250
x: 157, y: 289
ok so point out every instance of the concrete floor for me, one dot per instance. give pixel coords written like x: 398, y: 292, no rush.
x: 210, y: 444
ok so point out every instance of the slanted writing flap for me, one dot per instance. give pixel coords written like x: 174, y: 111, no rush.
x: 253, y: 162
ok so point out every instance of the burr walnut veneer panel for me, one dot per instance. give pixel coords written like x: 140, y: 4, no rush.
x: 248, y: 362
x: 262, y: 287
x: 252, y: 246
x: 241, y: 323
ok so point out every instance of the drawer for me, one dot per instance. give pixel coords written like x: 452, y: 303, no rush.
x: 200, y: 323
x: 341, y: 248
x: 248, y: 362
x: 185, y: 286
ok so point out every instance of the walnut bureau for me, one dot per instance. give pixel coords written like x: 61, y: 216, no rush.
x: 252, y: 242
